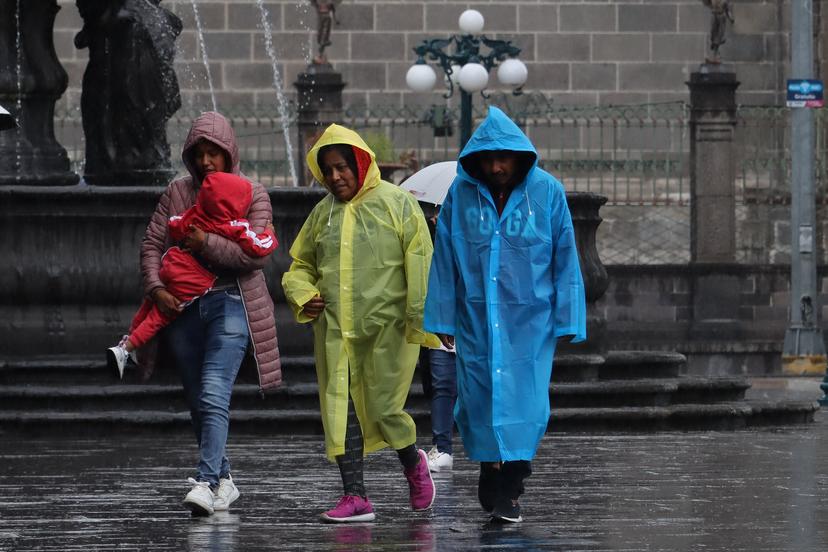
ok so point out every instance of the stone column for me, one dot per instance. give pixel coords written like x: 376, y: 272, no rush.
x: 585, y: 207
x: 320, y: 104
x: 583, y: 361
x: 712, y: 197
x: 31, y: 81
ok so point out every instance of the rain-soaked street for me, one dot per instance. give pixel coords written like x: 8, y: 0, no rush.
x: 756, y: 490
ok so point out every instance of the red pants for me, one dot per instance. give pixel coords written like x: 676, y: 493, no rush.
x: 185, y: 279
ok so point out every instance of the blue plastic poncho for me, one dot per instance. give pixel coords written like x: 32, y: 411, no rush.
x: 507, y: 287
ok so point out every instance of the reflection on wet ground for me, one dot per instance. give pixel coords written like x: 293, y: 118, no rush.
x: 758, y: 490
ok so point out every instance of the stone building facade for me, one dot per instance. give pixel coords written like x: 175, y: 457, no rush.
x: 595, y: 52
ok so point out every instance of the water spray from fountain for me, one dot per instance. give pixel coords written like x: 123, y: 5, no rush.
x: 277, y: 84
x: 304, y: 17
x: 204, y: 57
x: 19, y: 77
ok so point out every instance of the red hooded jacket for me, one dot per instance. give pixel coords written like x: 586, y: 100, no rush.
x: 221, y: 204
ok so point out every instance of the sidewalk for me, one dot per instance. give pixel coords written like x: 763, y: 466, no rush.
x: 756, y: 490
x: 785, y: 388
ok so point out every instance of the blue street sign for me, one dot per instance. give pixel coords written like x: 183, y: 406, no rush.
x: 805, y: 93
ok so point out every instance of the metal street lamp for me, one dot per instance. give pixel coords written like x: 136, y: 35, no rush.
x: 466, y: 67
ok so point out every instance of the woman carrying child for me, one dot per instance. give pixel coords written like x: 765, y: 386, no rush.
x: 209, y: 337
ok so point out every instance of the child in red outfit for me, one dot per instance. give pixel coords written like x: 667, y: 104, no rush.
x: 222, y: 201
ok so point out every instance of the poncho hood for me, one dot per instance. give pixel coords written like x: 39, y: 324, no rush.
x: 369, y: 173
x: 497, y: 132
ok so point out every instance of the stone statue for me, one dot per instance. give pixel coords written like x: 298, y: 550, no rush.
x: 326, y: 18
x: 722, y: 12
x: 129, y: 90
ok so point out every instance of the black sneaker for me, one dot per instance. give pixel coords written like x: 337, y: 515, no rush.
x: 507, y: 511
x: 488, y: 486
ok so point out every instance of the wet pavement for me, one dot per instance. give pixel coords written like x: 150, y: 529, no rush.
x: 757, y: 490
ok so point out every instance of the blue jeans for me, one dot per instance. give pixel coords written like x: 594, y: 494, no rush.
x: 443, y: 397
x: 208, y: 342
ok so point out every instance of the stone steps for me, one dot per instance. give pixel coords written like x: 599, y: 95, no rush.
x: 620, y: 391
x: 568, y: 368
x: 92, y: 371
x: 722, y: 416
x: 618, y: 365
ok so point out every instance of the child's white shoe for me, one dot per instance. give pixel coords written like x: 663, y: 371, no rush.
x: 131, y: 355
x: 116, y: 359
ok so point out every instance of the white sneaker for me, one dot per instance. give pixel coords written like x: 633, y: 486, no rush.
x: 116, y: 359
x: 439, y: 461
x: 226, y: 494
x: 133, y: 356
x: 200, y: 498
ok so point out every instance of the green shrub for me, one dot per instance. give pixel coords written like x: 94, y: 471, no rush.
x: 381, y: 144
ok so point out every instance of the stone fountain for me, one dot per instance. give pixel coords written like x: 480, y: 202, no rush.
x: 31, y: 81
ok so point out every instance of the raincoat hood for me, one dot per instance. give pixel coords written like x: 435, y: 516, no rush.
x: 369, y: 173
x: 497, y: 132
x: 215, y: 128
x: 224, y: 196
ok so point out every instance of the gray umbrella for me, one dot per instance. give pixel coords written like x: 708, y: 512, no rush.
x: 6, y: 120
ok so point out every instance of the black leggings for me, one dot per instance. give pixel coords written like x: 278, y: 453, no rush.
x: 351, y: 464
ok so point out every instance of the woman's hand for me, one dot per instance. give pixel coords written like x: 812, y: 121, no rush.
x: 314, y: 307
x: 194, y: 241
x: 166, y: 302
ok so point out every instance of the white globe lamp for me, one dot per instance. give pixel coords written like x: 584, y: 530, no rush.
x: 420, y: 77
x: 512, y: 72
x: 471, y: 22
x: 473, y: 77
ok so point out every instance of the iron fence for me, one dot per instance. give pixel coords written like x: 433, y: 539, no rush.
x: 636, y: 155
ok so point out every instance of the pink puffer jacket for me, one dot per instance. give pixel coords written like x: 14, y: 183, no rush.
x: 178, y: 197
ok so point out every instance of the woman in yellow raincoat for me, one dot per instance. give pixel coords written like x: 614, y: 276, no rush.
x: 359, y: 273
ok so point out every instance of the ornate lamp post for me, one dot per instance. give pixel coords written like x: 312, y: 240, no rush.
x: 467, y: 67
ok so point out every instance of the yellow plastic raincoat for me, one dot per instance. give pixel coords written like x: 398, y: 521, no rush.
x: 369, y: 259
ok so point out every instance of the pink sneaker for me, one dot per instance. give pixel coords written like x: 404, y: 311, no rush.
x: 350, y: 509
x: 420, y: 484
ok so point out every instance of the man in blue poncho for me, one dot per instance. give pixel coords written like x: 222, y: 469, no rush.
x: 504, y: 285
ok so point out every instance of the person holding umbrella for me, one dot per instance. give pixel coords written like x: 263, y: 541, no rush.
x: 504, y: 286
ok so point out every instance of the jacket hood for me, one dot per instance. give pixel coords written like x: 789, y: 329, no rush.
x: 216, y: 128
x: 224, y: 196
x: 497, y: 132
x: 336, y: 134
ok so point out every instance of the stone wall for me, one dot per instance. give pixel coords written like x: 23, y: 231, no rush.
x: 578, y: 51
x: 651, y: 308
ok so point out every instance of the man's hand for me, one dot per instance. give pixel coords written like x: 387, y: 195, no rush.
x: 314, y: 307
x: 195, y: 240
x: 446, y: 340
x: 166, y: 301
